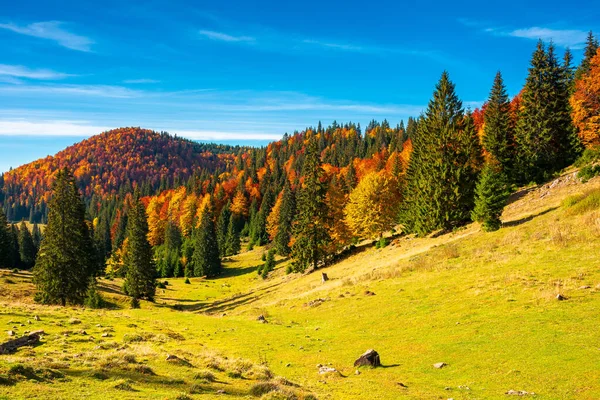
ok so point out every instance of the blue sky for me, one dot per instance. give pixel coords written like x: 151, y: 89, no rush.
x: 247, y: 72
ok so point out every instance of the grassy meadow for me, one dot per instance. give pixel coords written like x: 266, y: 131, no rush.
x: 483, y: 303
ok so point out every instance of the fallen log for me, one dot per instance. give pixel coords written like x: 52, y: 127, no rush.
x: 28, y: 340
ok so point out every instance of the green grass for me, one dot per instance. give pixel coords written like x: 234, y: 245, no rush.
x: 484, y: 303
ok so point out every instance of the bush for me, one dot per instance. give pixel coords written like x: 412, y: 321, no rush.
x: 161, y: 285
x: 15, y: 271
x: 93, y: 299
x: 187, y: 281
x: 589, y: 156
x: 383, y: 242
x: 588, y: 172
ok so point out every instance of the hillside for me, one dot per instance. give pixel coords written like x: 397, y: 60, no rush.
x: 111, y: 162
x: 484, y: 303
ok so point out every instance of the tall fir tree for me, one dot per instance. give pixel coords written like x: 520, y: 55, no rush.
x: 491, y: 196
x: 222, y: 228
x: 546, y: 140
x: 206, y: 259
x: 140, y: 270
x: 232, y: 242
x: 498, y: 135
x: 15, y: 255
x: 4, y: 242
x: 27, y: 250
x: 310, y: 230
x: 287, y: 213
x: 36, y: 234
x: 591, y: 46
x: 65, y: 261
x: 442, y: 172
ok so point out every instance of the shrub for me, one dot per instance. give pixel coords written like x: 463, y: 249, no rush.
x: 93, y: 299
x: 135, y: 303
x: 161, y: 285
x: 187, y: 281
x: 205, y: 376
x: 588, y: 172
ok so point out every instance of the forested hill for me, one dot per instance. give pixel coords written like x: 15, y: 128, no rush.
x: 111, y: 163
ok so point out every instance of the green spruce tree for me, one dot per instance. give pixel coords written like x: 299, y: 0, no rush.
x: 232, y: 238
x: 4, y: 242
x: 442, y: 172
x: 65, y: 261
x: 310, y: 230
x: 287, y: 214
x: 546, y: 140
x: 591, y: 47
x: 140, y: 270
x: 498, y: 135
x: 206, y: 259
x: 491, y: 196
x: 27, y: 249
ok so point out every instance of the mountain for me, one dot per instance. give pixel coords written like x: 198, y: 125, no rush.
x: 111, y: 163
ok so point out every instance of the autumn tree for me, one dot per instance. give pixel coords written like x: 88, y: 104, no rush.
x: 65, y: 261
x: 140, y: 270
x: 491, y: 196
x: 372, y: 208
x: 311, y: 237
x: 206, y: 259
x: 443, y: 167
x: 585, y: 103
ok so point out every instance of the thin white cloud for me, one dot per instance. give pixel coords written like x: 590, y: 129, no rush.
x: 23, y: 127
x: 224, y: 37
x: 336, y: 46
x: 75, y: 90
x: 52, y: 30
x: 573, y: 38
x: 19, y: 71
x: 141, y: 81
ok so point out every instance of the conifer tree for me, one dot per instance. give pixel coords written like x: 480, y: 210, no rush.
x: 310, y: 231
x: 232, y: 238
x: 286, y: 218
x: 65, y: 261
x: 15, y: 256
x: 443, y: 166
x: 140, y: 270
x: 222, y: 228
x: 545, y: 138
x: 37, y: 237
x: 591, y: 46
x: 269, y: 264
x: 27, y: 249
x: 206, y: 259
x: 498, y: 135
x: 491, y: 196
x: 4, y: 242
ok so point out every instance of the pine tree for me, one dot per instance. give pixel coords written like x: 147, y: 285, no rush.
x: 591, y: 46
x: 14, y: 255
x: 491, y: 196
x: 498, y: 135
x: 222, y: 228
x: 206, y: 259
x: 443, y: 166
x: 232, y: 238
x: 140, y: 271
x: 4, y: 242
x: 287, y: 213
x: 545, y: 137
x: 65, y: 261
x: 310, y: 231
x: 37, y: 237
x: 27, y: 249
x: 269, y: 264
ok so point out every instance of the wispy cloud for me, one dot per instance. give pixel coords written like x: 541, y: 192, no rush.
x: 141, y: 81
x: 52, y: 30
x: 335, y: 46
x: 562, y: 37
x: 9, y: 127
x: 19, y: 71
x: 224, y: 37
x: 75, y: 90
x: 573, y: 38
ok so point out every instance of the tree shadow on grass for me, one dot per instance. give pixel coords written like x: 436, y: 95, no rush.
x: 521, y: 221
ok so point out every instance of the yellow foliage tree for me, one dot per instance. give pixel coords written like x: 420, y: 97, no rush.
x: 186, y: 220
x: 586, y: 104
x: 273, y: 218
x: 156, y: 225
x: 239, y: 206
x: 373, y: 206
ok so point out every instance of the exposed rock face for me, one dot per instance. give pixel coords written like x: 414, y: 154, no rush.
x: 369, y: 357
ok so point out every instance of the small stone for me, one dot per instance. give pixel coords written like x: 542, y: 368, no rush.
x: 369, y: 293
x: 288, y: 365
x: 106, y: 335
x: 447, y: 388
x: 220, y: 391
x: 11, y: 333
x: 82, y: 332
x: 585, y: 287
x: 439, y: 365
x: 36, y: 318
x: 560, y: 297
x: 357, y: 372
x: 29, y: 321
